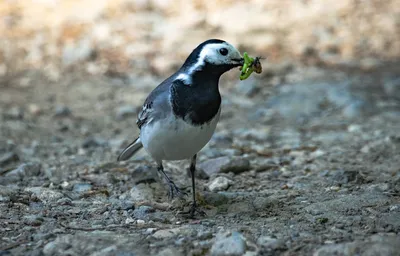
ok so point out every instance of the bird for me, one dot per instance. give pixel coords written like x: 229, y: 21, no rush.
x: 180, y: 115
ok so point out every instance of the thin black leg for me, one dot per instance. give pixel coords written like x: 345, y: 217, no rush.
x: 194, y: 208
x: 192, y: 169
x: 173, y: 189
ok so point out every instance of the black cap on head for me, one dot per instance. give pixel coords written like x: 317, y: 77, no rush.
x: 192, y: 59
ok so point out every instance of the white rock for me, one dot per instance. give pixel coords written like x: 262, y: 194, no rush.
x: 219, y: 184
x: 234, y: 244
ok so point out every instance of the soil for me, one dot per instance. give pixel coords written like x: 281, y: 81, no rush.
x: 309, y: 157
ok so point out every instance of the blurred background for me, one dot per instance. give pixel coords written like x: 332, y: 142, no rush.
x: 114, y: 37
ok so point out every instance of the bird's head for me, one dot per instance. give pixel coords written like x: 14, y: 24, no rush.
x: 213, y: 56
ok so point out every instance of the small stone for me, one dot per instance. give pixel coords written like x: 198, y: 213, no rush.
x: 225, y: 164
x: 45, y: 195
x: 125, y: 111
x: 166, y: 233
x: 92, y: 142
x: 34, y: 109
x: 219, y: 184
x: 169, y: 252
x: 82, y: 187
x: 380, y: 187
x: 375, y: 245
x: 62, y: 111
x: 129, y: 220
x: 140, y: 222
x: 124, y: 205
x: 33, y: 220
x: 269, y: 242
x: 150, y: 231
x: 8, y: 157
x: 233, y: 244
x: 204, y: 235
x: 14, y: 113
x: 216, y: 199
x: 144, y: 174
x: 355, y: 128
x: 26, y: 170
x: 345, y: 176
x: 263, y: 202
x: 141, y: 192
x: 142, y: 212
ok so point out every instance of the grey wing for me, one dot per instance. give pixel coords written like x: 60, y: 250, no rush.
x: 157, y: 105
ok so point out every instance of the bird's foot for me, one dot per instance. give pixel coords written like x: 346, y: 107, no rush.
x: 194, y: 209
x: 175, y: 191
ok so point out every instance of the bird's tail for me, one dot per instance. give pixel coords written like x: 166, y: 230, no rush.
x: 130, y: 150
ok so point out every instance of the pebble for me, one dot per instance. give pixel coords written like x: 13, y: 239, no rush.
x: 345, y: 176
x: 129, y: 220
x: 45, y: 195
x: 144, y: 174
x: 92, y: 142
x: 141, y: 192
x: 219, y: 184
x: 377, y: 245
x: 150, y: 231
x: 32, y: 220
x: 82, y: 187
x: 15, y: 113
x: 34, y: 109
x: 233, y: 244
x: 8, y: 157
x: 166, y: 233
x: 225, y: 164
x: 269, y: 242
x: 26, y: 170
x: 262, y: 203
x: 204, y: 235
x: 62, y: 111
x: 124, y: 205
x: 142, y: 212
x: 215, y: 199
x: 169, y: 252
x: 140, y: 222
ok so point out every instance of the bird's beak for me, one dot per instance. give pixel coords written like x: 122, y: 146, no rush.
x: 238, y: 61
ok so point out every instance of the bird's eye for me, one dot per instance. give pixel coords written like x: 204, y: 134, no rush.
x: 223, y: 51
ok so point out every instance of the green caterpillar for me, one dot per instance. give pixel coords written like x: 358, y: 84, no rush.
x: 250, y: 65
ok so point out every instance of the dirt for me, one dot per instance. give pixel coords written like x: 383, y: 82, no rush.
x: 320, y: 149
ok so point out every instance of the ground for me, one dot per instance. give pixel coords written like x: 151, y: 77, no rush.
x: 305, y: 160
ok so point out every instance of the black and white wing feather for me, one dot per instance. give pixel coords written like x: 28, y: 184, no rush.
x: 156, y: 107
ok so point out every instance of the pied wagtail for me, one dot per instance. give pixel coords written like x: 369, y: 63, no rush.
x: 180, y: 115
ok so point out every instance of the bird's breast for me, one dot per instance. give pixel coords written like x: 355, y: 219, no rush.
x: 175, y: 139
x: 197, y: 105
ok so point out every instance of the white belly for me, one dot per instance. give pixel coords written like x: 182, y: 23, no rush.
x: 174, y: 139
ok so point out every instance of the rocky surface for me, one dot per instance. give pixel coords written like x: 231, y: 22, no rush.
x: 289, y: 171
x: 305, y: 159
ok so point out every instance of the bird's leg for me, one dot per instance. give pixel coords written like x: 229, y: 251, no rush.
x: 193, y: 207
x: 173, y: 189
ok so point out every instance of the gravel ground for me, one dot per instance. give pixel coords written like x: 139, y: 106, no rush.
x: 305, y: 161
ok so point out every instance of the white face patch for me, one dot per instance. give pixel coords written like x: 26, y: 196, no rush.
x: 211, y: 53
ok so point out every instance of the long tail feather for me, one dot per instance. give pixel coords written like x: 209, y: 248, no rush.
x: 130, y: 150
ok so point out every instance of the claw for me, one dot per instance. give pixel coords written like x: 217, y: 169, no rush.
x: 193, y: 210
x: 175, y: 191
